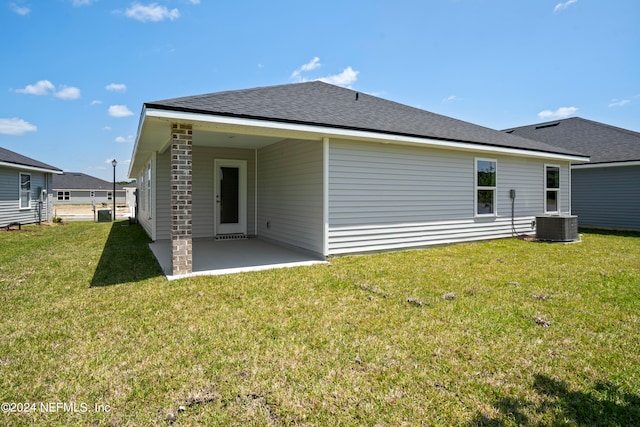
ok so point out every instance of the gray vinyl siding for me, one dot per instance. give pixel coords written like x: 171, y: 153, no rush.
x: 203, y: 187
x: 290, y: 194
x: 162, y: 182
x: 10, y: 197
x: 384, y: 197
x: 607, y: 197
x: 144, y: 218
x: 203, y: 191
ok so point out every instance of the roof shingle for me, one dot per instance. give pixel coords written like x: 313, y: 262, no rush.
x: 8, y: 156
x: 604, y: 143
x: 323, y: 104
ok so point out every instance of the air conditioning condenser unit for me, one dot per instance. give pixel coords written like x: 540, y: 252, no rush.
x: 557, y: 228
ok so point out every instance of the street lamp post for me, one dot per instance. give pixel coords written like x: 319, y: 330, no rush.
x: 114, y: 163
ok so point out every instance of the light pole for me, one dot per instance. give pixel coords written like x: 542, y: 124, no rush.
x: 114, y: 163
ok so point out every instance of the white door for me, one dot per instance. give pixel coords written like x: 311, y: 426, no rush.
x: 230, y: 196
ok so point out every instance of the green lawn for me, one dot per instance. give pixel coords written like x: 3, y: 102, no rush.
x: 495, y: 333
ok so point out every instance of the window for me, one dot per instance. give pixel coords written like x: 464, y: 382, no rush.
x: 92, y: 194
x: 552, y: 188
x: 109, y: 195
x: 25, y: 191
x: 63, y: 195
x: 486, y: 171
x: 148, y: 190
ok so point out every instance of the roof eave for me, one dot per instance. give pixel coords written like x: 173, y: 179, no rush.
x: 30, y: 168
x: 194, y: 115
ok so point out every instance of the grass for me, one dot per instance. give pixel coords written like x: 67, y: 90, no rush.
x: 499, y: 333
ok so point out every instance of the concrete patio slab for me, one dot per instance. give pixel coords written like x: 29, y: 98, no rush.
x: 216, y: 257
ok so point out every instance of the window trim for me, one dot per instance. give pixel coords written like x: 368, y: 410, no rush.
x: 21, y: 191
x: 66, y: 196
x: 477, y: 188
x: 547, y: 189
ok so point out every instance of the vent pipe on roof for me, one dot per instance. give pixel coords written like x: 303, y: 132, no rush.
x: 357, y: 95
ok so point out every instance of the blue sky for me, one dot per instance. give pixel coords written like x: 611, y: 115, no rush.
x: 75, y: 73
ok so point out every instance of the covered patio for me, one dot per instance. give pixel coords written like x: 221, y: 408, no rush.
x: 213, y: 257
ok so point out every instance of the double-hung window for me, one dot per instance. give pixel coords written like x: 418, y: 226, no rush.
x: 486, y: 178
x: 552, y: 188
x: 63, y: 195
x: 25, y: 190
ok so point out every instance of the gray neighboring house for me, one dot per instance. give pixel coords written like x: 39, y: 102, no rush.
x: 25, y: 189
x: 76, y: 188
x: 606, y: 191
x: 331, y: 171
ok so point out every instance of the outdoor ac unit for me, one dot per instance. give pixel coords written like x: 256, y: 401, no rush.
x: 558, y: 228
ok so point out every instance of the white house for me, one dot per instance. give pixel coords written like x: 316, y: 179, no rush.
x: 25, y: 189
x: 330, y: 171
x: 76, y: 188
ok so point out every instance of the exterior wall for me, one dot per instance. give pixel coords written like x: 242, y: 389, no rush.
x: 607, y: 197
x: 384, y: 197
x: 203, y: 187
x: 290, y: 194
x: 83, y: 197
x: 147, y: 196
x: 10, y: 197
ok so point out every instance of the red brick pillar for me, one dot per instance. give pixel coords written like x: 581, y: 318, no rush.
x: 181, y: 197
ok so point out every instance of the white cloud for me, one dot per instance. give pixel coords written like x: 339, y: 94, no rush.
x: 42, y: 87
x: 79, y: 3
x: 119, y: 111
x: 562, y: 6
x: 67, y: 93
x: 96, y: 102
x: 194, y: 1
x: 560, y: 113
x: 16, y: 126
x: 345, y: 78
x: 619, y: 102
x: 20, y: 10
x: 451, y: 99
x: 309, y: 66
x: 106, y: 128
x: 116, y: 87
x: 152, y: 12
x: 45, y: 87
x: 124, y: 139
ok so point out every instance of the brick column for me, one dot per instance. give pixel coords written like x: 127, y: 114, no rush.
x: 181, y: 166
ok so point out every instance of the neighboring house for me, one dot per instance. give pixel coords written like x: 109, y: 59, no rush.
x: 333, y: 171
x: 25, y: 189
x: 75, y: 188
x: 606, y: 191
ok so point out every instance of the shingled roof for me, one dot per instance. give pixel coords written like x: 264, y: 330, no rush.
x: 81, y: 181
x: 322, y: 104
x: 13, y: 158
x: 604, y: 143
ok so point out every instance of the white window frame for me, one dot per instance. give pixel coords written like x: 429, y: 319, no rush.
x: 477, y: 188
x: 548, y: 189
x: 147, y: 182
x: 21, y: 191
x: 109, y: 195
x: 92, y: 194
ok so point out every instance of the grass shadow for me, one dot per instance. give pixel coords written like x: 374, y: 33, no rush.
x: 126, y: 257
x: 606, y: 405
